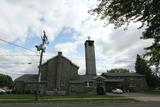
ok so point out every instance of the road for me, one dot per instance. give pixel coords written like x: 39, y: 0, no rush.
x: 140, y: 96
x: 90, y: 104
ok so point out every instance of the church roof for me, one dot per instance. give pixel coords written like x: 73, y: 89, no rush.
x: 122, y: 74
x: 86, y: 77
x: 27, y: 78
x: 114, y: 80
x: 60, y: 54
x: 99, y: 77
x: 83, y: 78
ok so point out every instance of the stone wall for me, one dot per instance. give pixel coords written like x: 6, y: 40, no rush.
x: 134, y: 83
x: 138, y: 83
x: 19, y: 87
x: 81, y: 88
x: 90, y: 58
x: 59, y: 71
x: 52, y: 74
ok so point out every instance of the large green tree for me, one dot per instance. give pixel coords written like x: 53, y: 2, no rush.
x: 5, y: 81
x: 123, y: 12
x: 142, y: 67
x: 153, y: 56
x: 118, y: 70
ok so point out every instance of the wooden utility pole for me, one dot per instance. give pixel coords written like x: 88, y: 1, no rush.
x: 41, y: 48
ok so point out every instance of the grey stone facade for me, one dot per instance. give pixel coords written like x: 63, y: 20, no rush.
x: 57, y: 72
x: 55, y: 76
x: 60, y: 76
x: 83, y: 84
x: 90, y: 58
x: 27, y: 83
x: 126, y: 81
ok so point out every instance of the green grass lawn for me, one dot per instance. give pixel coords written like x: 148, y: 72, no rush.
x: 16, y: 96
x: 80, y: 96
x: 32, y: 96
x: 29, y: 98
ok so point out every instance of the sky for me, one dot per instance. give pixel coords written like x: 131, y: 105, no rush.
x: 67, y: 24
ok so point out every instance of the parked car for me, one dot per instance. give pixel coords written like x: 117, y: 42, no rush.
x: 8, y: 91
x: 2, y: 91
x: 117, y: 91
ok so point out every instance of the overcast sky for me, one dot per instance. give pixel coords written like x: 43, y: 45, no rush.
x: 67, y: 25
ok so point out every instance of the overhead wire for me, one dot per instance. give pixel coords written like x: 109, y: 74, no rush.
x: 17, y: 63
x: 38, y: 55
x: 17, y: 45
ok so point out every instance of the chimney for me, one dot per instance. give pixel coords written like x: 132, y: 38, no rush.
x: 59, y: 53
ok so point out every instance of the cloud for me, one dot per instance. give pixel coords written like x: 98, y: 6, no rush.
x: 21, y: 19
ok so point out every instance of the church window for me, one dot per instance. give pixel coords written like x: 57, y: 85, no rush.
x: 88, y: 84
x: 99, y: 80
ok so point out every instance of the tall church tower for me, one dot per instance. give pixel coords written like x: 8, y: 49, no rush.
x: 90, y: 57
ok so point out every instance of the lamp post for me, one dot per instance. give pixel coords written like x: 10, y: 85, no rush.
x: 41, y: 48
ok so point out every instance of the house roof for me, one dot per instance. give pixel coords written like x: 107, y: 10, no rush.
x: 99, y: 77
x: 122, y: 74
x: 83, y: 78
x: 114, y: 80
x: 86, y: 77
x: 27, y: 78
x: 60, y: 55
x: 76, y: 81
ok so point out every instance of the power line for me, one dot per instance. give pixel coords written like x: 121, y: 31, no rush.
x: 18, y: 55
x: 17, y: 63
x: 17, y: 45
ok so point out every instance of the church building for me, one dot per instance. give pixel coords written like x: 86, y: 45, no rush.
x: 59, y: 75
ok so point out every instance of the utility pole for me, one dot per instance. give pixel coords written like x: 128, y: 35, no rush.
x: 41, y: 48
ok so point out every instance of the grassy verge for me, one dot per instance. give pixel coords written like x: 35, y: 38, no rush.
x: 16, y: 96
x: 153, y: 92
x: 29, y: 98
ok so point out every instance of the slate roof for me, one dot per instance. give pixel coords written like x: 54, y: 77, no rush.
x: 122, y: 74
x: 27, y: 78
x: 62, y: 57
x: 114, y: 80
x: 83, y: 78
x: 99, y: 77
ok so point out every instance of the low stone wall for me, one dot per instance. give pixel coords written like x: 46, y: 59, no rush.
x: 55, y: 92
x: 80, y: 88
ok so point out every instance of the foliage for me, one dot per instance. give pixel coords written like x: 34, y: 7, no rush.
x: 153, y: 55
x: 142, y: 67
x: 123, y: 12
x: 5, y: 81
x: 118, y: 70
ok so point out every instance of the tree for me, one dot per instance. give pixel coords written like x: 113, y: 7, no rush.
x: 143, y: 68
x: 118, y: 70
x: 5, y: 81
x: 123, y: 12
x: 153, y: 55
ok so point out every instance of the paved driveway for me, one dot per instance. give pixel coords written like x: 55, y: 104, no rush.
x: 139, y: 96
